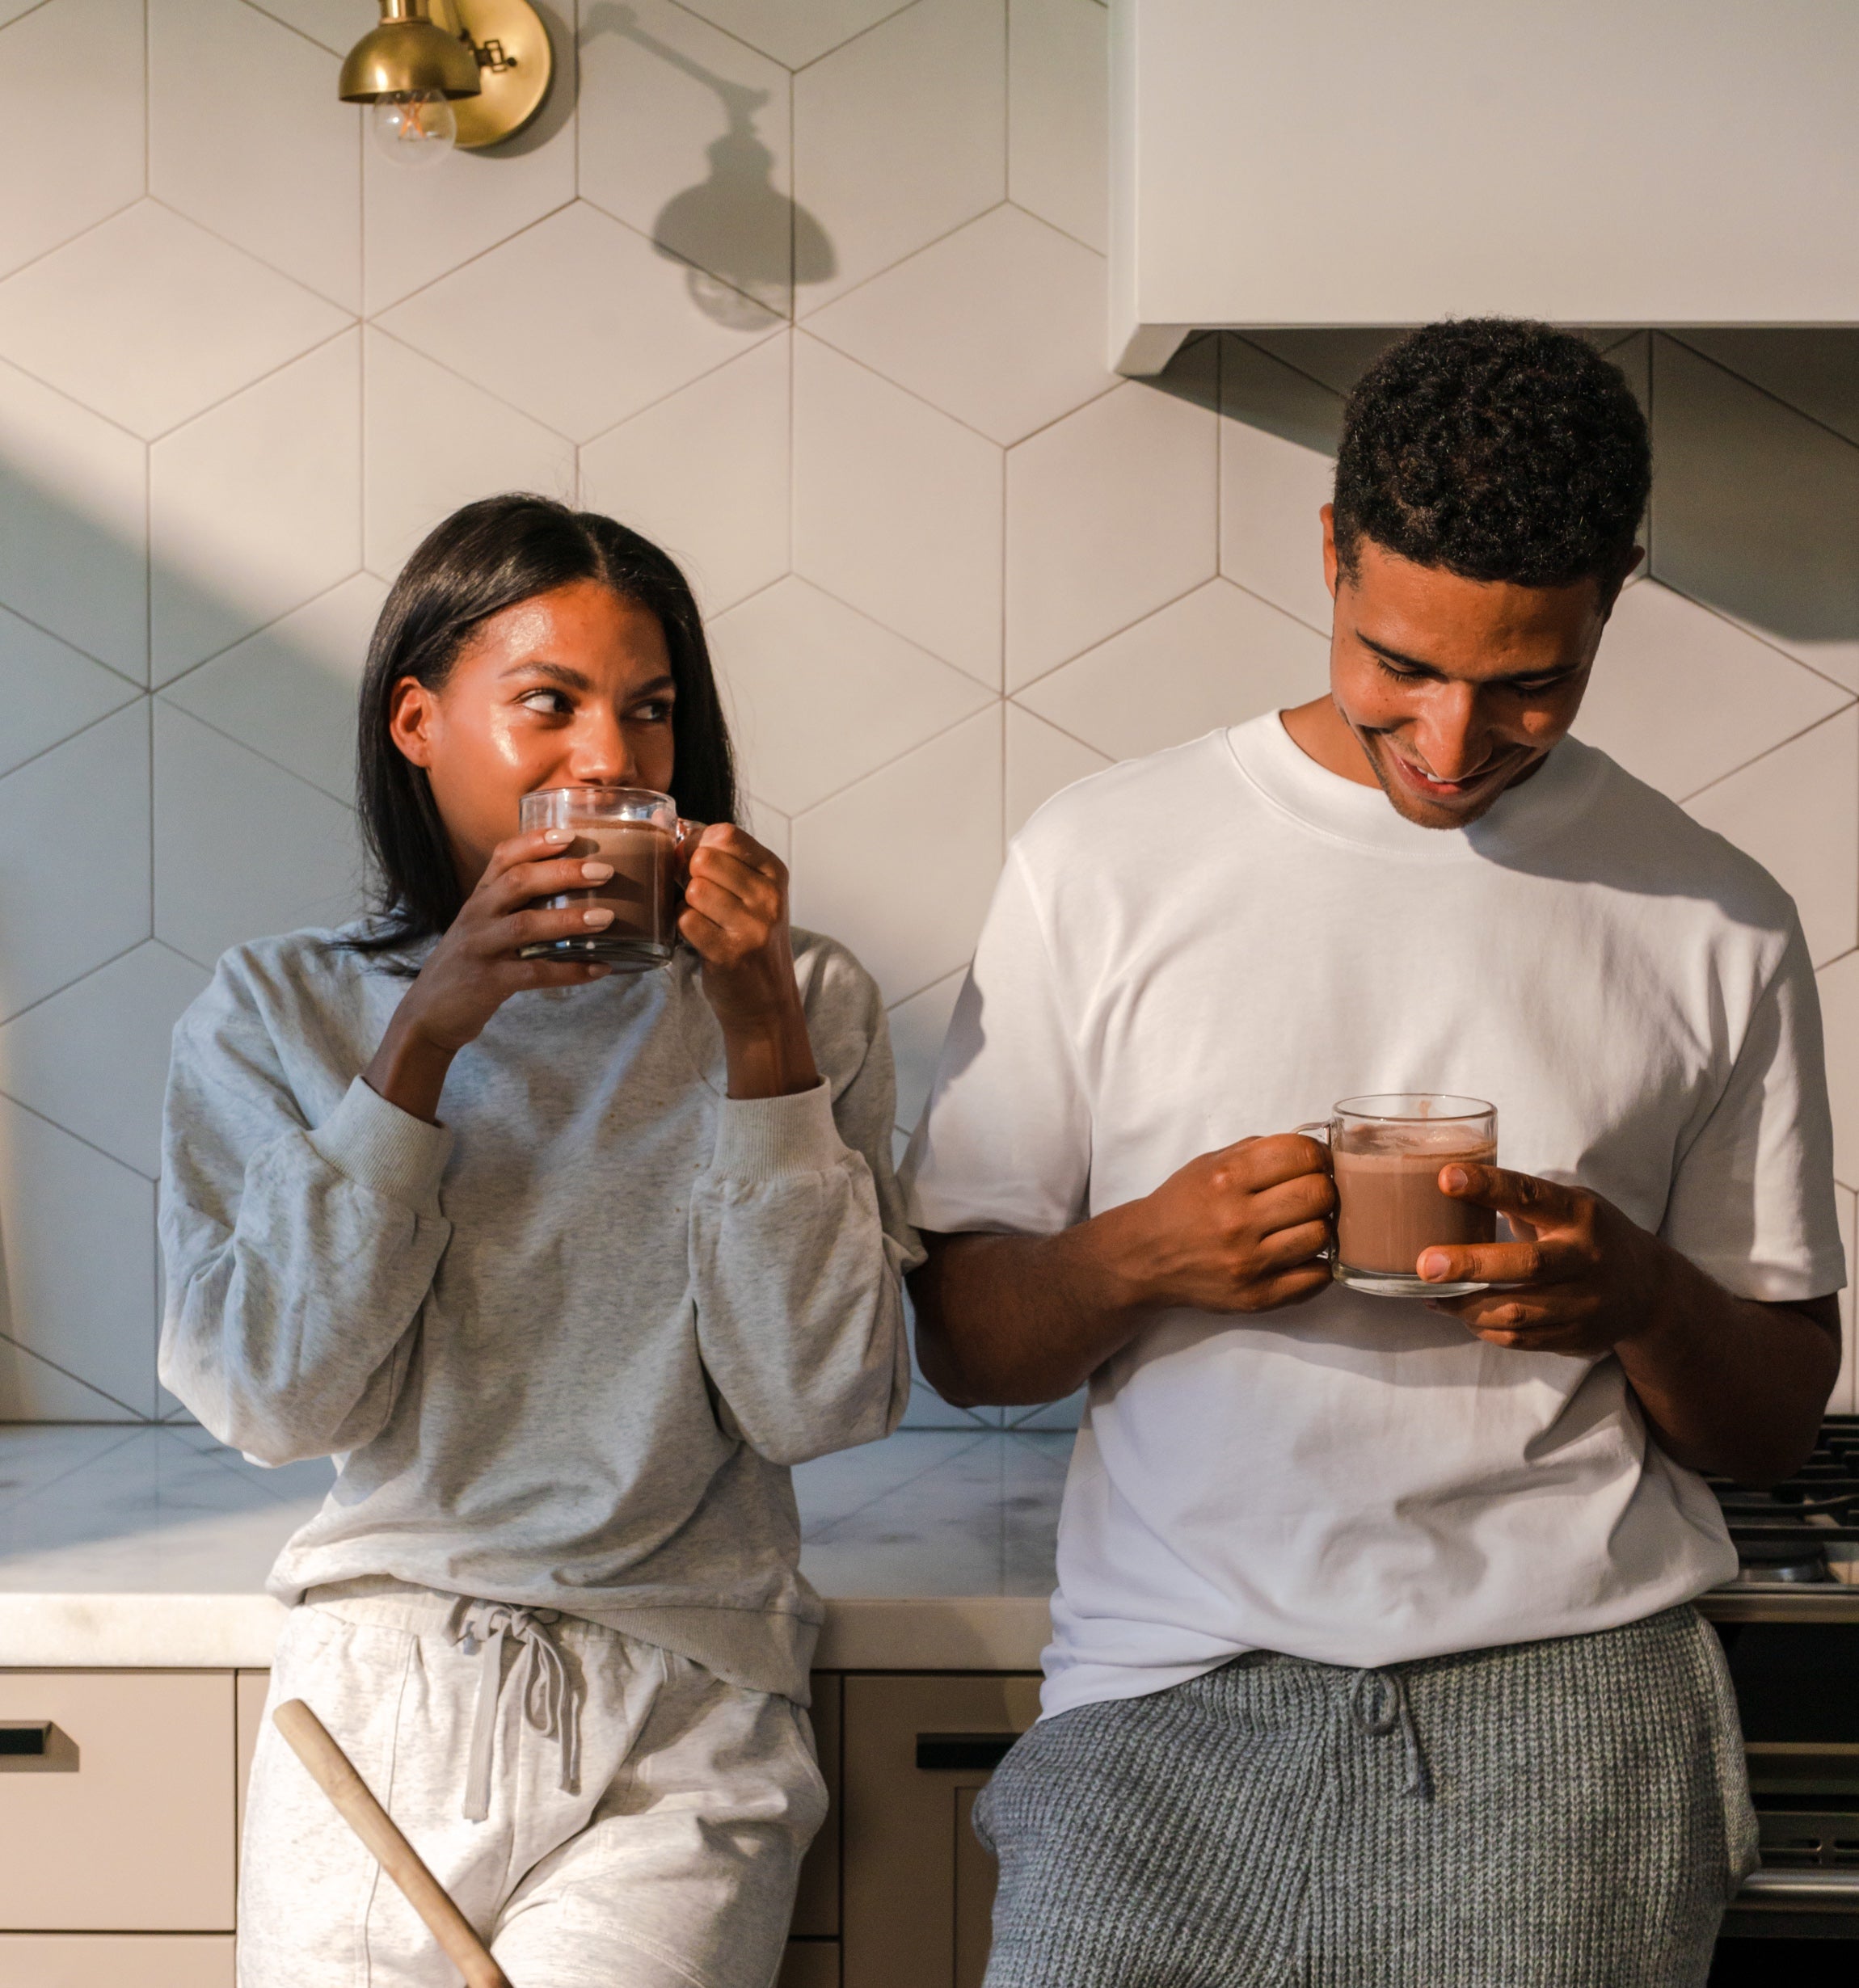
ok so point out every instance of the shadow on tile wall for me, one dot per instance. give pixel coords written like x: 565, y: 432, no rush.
x: 814, y: 294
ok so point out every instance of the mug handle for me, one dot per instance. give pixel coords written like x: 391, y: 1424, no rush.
x: 1319, y: 1129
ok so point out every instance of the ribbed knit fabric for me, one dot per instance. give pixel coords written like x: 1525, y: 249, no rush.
x: 1571, y: 1813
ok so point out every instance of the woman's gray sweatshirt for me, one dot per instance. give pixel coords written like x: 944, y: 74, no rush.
x: 564, y: 1347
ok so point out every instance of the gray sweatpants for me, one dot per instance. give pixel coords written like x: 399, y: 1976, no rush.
x: 607, y: 1814
x: 1571, y: 1813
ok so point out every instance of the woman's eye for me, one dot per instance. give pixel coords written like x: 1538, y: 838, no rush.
x: 552, y: 702
x: 654, y: 714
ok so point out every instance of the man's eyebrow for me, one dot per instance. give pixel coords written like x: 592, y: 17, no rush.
x: 1432, y: 669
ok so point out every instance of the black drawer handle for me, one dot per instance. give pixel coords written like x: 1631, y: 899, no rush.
x: 968, y: 1752
x: 28, y: 1736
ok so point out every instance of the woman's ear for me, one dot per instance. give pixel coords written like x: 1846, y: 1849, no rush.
x: 412, y: 720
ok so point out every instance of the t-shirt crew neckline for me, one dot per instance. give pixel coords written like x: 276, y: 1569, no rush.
x: 1280, y: 771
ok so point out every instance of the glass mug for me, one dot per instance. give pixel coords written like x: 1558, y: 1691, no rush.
x: 1386, y: 1153
x: 636, y: 830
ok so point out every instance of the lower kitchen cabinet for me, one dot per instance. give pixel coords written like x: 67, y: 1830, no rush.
x: 116, y: 1960
x: 120, y: 1793
x: 918, y: 1889
x: 116, y: 1801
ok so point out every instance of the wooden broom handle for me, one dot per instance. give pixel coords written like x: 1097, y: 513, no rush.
x: 330, y: 1769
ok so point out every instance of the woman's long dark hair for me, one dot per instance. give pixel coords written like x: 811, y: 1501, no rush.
x: 486, y: 557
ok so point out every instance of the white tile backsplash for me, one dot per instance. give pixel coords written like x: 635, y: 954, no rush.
x: 731, y: 534
x: 916, y: 108
x: 289, y: 195
x: 73, y: 143
x: 211, y: 288
x: 1058, y: 115
x: 74, y: 858
x: 897, y: 509
x: 81, y: 317
x: 1110, y: 515
x: 1000, y: 324
x: 255, y: 507
x: 431, y: 441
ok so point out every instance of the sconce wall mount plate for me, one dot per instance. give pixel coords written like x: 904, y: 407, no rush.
x: 495, y: 64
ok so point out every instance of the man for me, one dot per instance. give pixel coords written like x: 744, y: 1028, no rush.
x: 1371, y: 1661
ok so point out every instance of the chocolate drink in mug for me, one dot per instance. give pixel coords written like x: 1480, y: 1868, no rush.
x: 1389, y: 1207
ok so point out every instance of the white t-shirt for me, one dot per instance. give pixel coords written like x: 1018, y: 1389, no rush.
x: 1223, y: 939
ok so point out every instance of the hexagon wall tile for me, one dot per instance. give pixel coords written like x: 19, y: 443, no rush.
x: 1058, y: 115
x: 1110, y: 514
x: 795, y: 36
x: 1000, y: 324
x: 625, y: 326
x: 418, y: 226
x: 791, y: 654
x: 338, y: 24
x: 1215, y: 657
x: 289, y: 691
x: 705, y: 474
x: 1333, y: 357
x: 86, y: 1309
x: 1681, y: 696
x: 31, y: 1390
x: 1796, y: 810
x: 1756, y: 510
x: 1041, y: 760
x: 74, y: 858
x: 897, y: 510
x: 685, y: 136
x: 236, y: 541
x: 1278, y: 436
x: 434, y: 442
x: 900, y: 136
x: 222, y: 815
x: 74, y: 500
x: 291, y: 199
x: 94, y: 1058
x: 1814, y: 371
x: 148, y: 319
x: 72, y: 143
x: 48, y: 691
x: 917, y: 1028
x: 901, y: 866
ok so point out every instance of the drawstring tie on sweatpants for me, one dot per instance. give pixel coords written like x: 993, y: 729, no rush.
x: 548, y: 1694
x: 1378, y: 1702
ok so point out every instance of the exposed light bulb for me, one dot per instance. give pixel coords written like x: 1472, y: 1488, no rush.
x: 414, y: 128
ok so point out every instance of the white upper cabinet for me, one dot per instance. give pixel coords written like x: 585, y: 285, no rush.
x: 1590, y: 161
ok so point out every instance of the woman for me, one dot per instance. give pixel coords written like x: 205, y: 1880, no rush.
x: 564, y: 1267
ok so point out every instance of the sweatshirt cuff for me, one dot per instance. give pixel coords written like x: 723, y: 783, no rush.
x: 758, y: 1137
x: 379, y: 1146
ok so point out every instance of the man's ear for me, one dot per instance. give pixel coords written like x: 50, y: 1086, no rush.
x: 412, y: 720
x: 1328, y: 514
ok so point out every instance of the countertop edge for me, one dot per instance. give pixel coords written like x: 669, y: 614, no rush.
x: 109, y: 1632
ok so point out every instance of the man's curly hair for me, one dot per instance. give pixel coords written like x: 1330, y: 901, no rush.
x: 1498, y: 450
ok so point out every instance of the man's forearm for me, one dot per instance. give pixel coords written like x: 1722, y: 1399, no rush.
x: 1003, y: 1320
x: 1729, y: 1385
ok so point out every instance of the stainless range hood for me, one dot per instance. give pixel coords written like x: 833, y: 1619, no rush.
x: 1342, y: 163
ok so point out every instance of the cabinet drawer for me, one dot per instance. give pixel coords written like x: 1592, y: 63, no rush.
x: 809, y: 1964
x: 125, y: 1820
x: 918, y: 1889
x: 116, y: 1960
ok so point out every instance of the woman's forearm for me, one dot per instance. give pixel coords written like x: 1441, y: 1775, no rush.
x: 1729, y: 1385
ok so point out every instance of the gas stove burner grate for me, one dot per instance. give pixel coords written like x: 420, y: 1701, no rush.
x: 1803, y: 1532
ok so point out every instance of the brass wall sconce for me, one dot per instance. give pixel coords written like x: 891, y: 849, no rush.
x: 440, y: 73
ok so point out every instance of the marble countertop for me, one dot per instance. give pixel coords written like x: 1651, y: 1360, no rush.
x: 148, y: 1547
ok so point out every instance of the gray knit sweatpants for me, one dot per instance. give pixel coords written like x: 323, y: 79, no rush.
x: 1564, y: 1814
